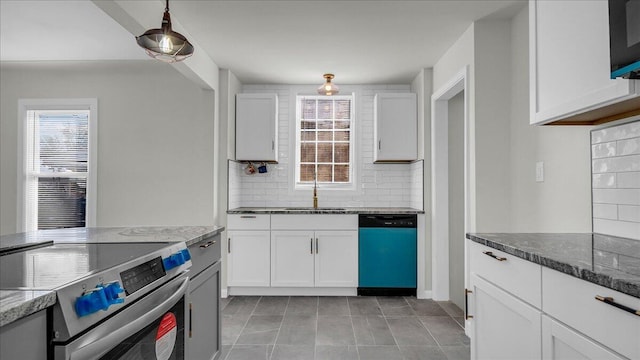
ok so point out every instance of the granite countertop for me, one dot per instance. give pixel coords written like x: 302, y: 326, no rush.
x: 324, y: 210
x: 18, y: 303
x: 609, y: 261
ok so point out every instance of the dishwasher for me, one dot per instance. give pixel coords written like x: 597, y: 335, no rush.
x: 387, y: 255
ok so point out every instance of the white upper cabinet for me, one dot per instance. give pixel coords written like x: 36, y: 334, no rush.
x: 396, y: 128
x: 257, y: 127
x: 569, y: 65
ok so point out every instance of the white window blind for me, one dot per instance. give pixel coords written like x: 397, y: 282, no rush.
x: 324, y: 139
x: 57, y: 149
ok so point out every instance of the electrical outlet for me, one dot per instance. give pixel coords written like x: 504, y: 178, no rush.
x: 539, y: 171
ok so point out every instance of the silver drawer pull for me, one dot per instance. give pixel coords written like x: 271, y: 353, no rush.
x: 204, y: 246
x: 466, y: 304
x: 247, y: 217
x: 610, y: 301
x: 499, y: 258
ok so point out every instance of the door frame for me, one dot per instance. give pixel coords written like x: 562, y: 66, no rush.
x: 440, y: 177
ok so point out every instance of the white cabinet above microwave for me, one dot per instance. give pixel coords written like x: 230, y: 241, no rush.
x: 569, y: 65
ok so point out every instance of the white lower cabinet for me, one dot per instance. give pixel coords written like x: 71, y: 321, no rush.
x: 314, y: 258
x: 503, y: 327
x: 562, y: 343
x: 248, y: 258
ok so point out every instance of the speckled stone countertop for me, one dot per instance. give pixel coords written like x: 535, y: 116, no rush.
x: 18, y: 303
x: 324, y: 210
x: 609, y: 261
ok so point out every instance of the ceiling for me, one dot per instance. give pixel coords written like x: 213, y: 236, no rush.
x: 281, y: 42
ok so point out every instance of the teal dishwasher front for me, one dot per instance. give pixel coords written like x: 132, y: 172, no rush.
x: 387, y: 249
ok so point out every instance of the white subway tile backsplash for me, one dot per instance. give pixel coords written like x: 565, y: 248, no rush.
x: 629, y: 213
x: 605, y: 211
x: 617, y: 164
x: 603, y: 150
x: 603, y: 181
x: 625, y: 131
x: 616, y: 196
x: 628, y: 147
x: 629, y: 180
x: 626, y: 229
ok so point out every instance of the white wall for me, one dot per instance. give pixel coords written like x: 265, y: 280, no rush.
x: 155, y: 138
x: 562, y: 203
x: 456, y: 198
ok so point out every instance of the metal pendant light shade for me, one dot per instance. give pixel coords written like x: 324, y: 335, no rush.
x: 164, y: 44
x: 328, y: 88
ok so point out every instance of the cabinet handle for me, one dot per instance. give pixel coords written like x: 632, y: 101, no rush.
x: 247, y: 217
x: 228, y: 245
x: 273, y: 145
x: 316, y: 245
x: 379, y: 141
x: 610, y: 301
x: 311, y: 246
x: 190, y: 319
x: 499, y: 258
x: 466, y: 304
x: 204, y: 246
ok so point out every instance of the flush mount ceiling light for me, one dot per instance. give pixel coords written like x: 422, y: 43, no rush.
x: 164, y: 44
x: 328, y: 88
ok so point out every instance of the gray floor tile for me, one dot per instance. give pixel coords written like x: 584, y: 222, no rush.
x: 333, y: 305
x: 395, y: 306
x: 409, y: 331
x: 232, y: 326
x: 329, y: 352
x: 445, y: 330
x: 298, y: 330
x: 364, y: 305
x: 335, y: 330
x: 372, y: 330
x: 241, y: 304
x: 379, y: 352
x: 224, y: 302
x: 224, y: 352
x: 250, y: 352
x: 450, y: 308
x: 260, y: 329
x: 460, y: 321
x: 271, y: 305
x: 289, y: 352
x: 413, y: 352
x: 457, y: 352
x: 302, y: 305
x: 425, y: 307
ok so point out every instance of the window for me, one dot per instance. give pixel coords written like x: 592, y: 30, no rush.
x: 57, y: 182
x: 324, y: 148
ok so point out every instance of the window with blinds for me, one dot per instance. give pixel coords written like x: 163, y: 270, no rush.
x: 324, y: 140
x: 57, y: 160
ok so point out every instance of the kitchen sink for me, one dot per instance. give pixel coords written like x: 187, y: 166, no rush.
x: 310, y: 208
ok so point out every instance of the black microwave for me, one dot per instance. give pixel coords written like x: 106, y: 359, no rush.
x: 624, y: 38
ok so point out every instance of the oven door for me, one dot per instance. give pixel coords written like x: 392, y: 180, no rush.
x: 152, y: 328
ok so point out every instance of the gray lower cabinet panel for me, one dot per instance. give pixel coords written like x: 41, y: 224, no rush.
x: 204, y: 336
x: 25, y: 338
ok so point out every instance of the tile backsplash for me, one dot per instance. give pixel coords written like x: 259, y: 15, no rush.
x: 615, y: 156
x: 378, y: 185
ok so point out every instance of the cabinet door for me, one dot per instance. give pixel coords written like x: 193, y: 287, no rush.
x: 569, y: 60
x: 502, y: 327
x: 336, y: 263
x: 248, y: 258
x: 396, y: 128
x: 561, y: 343
x: 256, y: 127
x: 204, y: 337
x: 292, y: 255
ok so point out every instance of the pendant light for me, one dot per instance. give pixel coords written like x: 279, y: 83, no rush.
x: 164, y: 44
x: 328, y: 88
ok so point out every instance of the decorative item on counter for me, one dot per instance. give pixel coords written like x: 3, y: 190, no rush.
x: 250, y: 169
x: 262, y: 168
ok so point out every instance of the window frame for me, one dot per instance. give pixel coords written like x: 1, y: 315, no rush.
x: 352, y: 184
x: 24, y: 106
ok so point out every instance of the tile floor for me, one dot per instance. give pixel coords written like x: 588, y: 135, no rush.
x: 336, y: 328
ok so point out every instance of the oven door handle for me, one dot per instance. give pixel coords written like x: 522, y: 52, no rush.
x: 113, y: 334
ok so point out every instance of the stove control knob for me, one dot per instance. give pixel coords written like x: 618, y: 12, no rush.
x: 174, y: 260
x: 186, y: 255
x: 112, y: 291
x: 91, y: 302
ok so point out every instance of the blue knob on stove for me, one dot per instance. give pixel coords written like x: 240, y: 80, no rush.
x: 91, y: 302
x: 174, y: 260
x: 112, y: 290
x: 186, y: 255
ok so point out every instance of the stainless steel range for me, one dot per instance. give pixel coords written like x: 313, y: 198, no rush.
x: 115, y: 301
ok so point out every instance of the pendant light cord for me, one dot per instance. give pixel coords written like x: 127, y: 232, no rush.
x: 166, y: 8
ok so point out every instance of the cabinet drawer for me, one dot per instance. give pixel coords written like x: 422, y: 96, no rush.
x: 520, y: 277
x: 203, y: 254
x: 572, y: 301
x: 314, y: 222
x: 248, y: 222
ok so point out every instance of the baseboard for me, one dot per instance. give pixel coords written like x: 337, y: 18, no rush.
x: 425, y: 294
x: 224, y: 293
